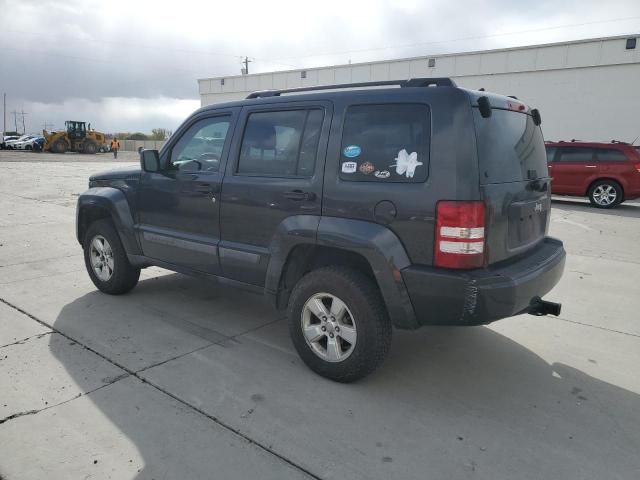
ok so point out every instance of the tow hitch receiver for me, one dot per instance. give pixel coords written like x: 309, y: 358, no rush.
x: 541, y: 307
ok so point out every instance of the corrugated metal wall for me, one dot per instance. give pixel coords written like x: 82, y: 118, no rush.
x: 587, y: 89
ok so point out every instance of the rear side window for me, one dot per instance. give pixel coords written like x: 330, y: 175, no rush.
x: 281, y: 144
x: 385, y: 143
x: 610, y: 155
x: 575, y: 154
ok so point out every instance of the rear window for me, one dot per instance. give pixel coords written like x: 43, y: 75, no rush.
x: 510, y: 147
x: 385, y: 143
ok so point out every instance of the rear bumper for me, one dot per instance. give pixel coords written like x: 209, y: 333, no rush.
x: 475, y: 297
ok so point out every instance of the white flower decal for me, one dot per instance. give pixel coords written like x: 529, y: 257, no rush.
x: 406, y: 164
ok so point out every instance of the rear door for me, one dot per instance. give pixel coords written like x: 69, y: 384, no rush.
x: 275, y: 172
x: 573, y: 169
x: 514, y: 182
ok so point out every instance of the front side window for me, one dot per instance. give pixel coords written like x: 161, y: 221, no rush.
x: 281, y: 143
x: 200, y: 148
x: 610, y: 155
x: 575, y: 154
x: 385, y: 143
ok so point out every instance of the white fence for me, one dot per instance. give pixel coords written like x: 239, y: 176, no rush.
x: 133, y: 145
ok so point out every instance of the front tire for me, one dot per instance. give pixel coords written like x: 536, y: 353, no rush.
x: 106, y: 260
x: 606, y: 194
x: 59, y: 146
x: 338, y: 323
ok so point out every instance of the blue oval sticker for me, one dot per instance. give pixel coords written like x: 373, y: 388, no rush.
x: 352, y: 151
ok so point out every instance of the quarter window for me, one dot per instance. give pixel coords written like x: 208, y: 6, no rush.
x: 281, y: 144
x: 200, y: 148
x: 385, y: 143
x: 610, y: 155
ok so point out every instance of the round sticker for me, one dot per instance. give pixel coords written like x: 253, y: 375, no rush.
x: 352, y: 151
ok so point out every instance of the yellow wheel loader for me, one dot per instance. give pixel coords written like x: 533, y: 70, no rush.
x: 76, y: 138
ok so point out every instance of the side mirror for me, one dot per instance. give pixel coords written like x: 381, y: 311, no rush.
x: 150, y: 160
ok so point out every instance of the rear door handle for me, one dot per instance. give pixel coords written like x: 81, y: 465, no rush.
x: 203, y: 188
x: 299, y: 195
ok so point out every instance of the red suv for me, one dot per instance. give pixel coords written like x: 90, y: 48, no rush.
x: 607, y: 173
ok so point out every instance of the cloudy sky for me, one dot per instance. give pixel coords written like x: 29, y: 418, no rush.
x: 132, y: 65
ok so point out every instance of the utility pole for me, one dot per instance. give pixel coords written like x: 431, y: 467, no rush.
x: 246, y: 62
x: 4, y: 116
x: 15, y: 121
x: 46, y: 125
x: 23, y: 127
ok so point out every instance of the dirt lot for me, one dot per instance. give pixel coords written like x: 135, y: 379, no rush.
x: 184, y: 379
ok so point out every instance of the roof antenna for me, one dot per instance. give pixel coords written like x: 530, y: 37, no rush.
x: 634, y: 140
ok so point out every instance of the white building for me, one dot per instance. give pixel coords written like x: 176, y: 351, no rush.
x: 587, y: 89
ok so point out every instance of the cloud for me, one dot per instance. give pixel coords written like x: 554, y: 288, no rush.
x: 112, y: 114
x: 58, y: 52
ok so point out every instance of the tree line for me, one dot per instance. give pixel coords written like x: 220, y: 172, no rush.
x: 156, y: 134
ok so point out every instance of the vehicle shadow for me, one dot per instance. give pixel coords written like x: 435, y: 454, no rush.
x: 573, y: 205
x: 439, y: 386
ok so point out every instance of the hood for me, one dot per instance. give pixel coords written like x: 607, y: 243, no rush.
x: 125, y: 173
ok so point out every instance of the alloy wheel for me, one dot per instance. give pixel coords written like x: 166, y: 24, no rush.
x: 605, y: 194
x: 101, y: 258
x: 328, y: 327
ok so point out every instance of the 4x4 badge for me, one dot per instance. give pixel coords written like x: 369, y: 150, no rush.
x: 538, y: 207
x: 367, y: 168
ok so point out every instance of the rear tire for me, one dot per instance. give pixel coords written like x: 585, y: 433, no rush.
x: 28, y: 147
x: 606, y: 194
x: 89, y: 148
x: 106, y: 260
x: 353, y: 341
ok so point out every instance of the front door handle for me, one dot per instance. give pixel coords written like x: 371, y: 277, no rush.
x: 299, y: 195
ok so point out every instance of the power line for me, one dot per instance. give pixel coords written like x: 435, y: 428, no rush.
x: 478, y: 37
x: 149, y: 47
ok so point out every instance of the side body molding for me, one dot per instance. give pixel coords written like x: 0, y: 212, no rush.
x: 114, y: 202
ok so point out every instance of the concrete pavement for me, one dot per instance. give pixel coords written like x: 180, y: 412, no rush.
x: 185, y: 379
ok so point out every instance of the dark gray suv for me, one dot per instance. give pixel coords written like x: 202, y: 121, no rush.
x: 354, y: 208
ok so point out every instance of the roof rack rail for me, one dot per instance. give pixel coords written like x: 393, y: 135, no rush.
x: 412, y: 82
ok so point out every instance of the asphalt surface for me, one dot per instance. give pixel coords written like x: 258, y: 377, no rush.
x: 185, y: 379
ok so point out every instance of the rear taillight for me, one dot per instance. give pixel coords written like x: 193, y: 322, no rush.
x: 459, y: 234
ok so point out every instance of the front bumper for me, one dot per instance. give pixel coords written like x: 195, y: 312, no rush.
x: 475, y: 297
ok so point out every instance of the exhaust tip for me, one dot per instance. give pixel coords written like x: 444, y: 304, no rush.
x: 539, y: 307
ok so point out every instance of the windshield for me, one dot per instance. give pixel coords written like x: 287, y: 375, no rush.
x: 510, y: 147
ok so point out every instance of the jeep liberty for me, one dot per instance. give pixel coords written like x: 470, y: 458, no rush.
x: 353, y: 208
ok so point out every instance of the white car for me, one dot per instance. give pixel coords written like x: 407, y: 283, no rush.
x: 26, y: 144
x: 11, y: 144
x: 6, y: 139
